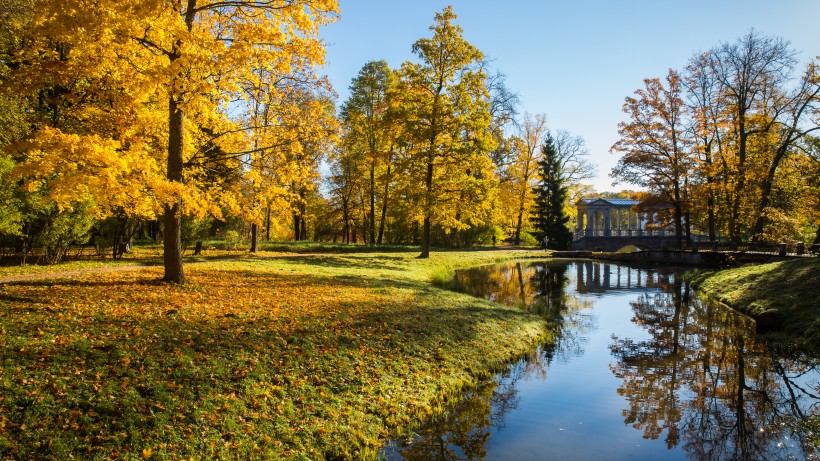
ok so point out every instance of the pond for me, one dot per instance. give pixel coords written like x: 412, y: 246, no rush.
x: 639, y: 368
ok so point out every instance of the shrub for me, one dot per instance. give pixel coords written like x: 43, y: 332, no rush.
x: 232, y: 240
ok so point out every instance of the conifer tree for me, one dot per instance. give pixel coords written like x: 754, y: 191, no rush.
x: 549, y: 218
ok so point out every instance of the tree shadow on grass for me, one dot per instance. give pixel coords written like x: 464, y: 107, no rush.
x: 95, y: 380
x: 338, y: 261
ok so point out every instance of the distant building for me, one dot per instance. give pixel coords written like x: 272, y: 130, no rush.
x: 605, y: 223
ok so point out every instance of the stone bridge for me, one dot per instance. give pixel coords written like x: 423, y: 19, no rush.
x: 616, y: 242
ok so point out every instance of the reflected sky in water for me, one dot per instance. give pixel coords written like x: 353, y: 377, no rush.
x: 639, y: 368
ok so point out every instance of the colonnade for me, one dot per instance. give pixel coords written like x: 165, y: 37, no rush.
x: 601, y: 218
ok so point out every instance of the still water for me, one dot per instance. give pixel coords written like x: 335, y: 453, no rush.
x: 639, y: 369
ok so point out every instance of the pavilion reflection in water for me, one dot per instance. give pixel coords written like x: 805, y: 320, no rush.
x: 599, y: 277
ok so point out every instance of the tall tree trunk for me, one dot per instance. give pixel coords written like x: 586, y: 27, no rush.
x: 296, y: 226
x: 710, y: 195
x: 364, y: 218
x: 172, y: 245
x: 254, y: 237
x: 372, y: 223
x: 766, y: 193
x: 345, y: 222
x: 517, y: 236
x: 428, y: 182
x: 384, y: 205
x: 738, y: 192
x: 521, y: 199
x: 267, y: 226
x: 678, y: 218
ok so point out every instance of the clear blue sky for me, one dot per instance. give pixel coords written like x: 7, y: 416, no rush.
x: 573, y: 60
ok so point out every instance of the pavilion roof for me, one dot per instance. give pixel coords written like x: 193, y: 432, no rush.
x: 610, y: 201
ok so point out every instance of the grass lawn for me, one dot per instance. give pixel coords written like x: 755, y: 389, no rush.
x: 279, y: 355
x: 783, y: 296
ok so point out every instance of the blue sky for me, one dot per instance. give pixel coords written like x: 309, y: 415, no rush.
x: 575, y: 61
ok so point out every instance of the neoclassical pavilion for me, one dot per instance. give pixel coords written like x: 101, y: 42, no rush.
x: 614, y: 217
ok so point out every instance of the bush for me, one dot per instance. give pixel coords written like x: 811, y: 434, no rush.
x: 194, y: 230
x: 232, y: 240
x: 527, y: 239
x: 61, y: 229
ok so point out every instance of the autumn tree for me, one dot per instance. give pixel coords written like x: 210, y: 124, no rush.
x: 750, y: 74
x: 655, y: 150
x: 792, y: 123
x: 549, y: 217
x: 447, y: 107
x: 365, y: 115
x: 12, y: 116
x: 345, y: 182
x: 707, y: 128
x: 135, y: 83
x: 524, y: 166
x: 575, y: 163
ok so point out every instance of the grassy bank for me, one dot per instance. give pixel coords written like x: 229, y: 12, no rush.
x: 275, y: 356
x: 783, y: 297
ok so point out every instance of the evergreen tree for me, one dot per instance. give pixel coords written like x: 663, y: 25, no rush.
x: 549, y: 218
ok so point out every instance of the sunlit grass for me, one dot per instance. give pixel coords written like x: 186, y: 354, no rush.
x: 277, y: 355
x: 782, y: 295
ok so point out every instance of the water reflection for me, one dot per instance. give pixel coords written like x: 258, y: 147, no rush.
x: 685, y: 373
x: 539, y: 288
x: 702, y: 381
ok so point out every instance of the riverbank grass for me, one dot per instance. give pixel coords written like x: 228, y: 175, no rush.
x: 277, y: 356
x: 783, y: 297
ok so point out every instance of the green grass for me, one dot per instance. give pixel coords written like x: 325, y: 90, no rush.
x: 273, y: 356
x: 784, y: 297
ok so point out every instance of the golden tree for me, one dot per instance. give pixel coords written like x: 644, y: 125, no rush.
x: 446, y: 108
x: 131, y: 92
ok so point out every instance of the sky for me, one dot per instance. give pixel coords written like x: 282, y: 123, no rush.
x: 573, y: 60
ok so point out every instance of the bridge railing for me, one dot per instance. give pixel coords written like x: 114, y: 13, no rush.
x: 624, y: 233
x: 666, y: 240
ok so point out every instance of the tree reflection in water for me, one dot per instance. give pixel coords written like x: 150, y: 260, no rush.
x: 698, y: 380
x: 463, y: 433
x: 703, y: 381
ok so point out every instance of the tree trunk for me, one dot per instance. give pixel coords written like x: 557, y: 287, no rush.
x: 765, y: 194
x: 678, y: 226
x: 172, y: 244
x: 372, y: 222
x: 267, y: 226
x: 425, y: 238
x: 296, y: 229
x: 384, y: 205
x: 254, y: 237
x: 710, y: 196
x: 345, y: 222
x: 738, y: 192
x: 517, y: 236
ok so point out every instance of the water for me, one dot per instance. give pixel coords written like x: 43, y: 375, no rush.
x: 640, y: 368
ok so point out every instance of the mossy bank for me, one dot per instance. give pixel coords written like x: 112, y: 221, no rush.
x: 783, y: 297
